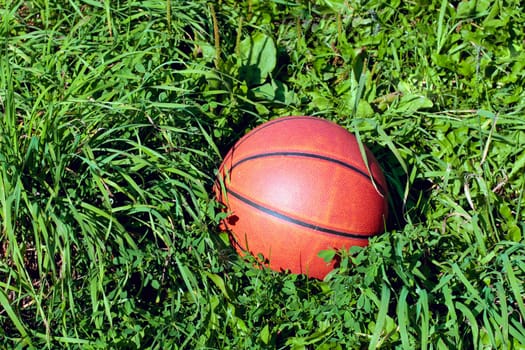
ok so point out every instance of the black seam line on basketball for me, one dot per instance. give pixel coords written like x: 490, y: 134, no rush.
x: 295, y: 221
x: 278, y: 121
x: 309, y: 155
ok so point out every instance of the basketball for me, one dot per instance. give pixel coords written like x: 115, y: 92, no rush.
x: 295, y: 186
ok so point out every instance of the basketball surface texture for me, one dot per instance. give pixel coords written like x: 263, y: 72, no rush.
x: 297, y: 185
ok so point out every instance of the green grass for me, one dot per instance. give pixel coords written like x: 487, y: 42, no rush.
x: 113, y: 120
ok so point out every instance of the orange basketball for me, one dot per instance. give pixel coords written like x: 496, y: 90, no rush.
x: 297, y: 185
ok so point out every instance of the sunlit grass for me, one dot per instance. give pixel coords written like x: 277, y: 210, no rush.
x: 113, y: 118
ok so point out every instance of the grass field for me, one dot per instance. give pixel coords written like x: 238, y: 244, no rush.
x: 114, y: 116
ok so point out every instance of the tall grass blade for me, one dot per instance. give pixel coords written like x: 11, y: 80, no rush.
x: 441, y: 37
x: 424, y: 316
x: 515, y: 286
x: 472, y: 291
x: 452, y: 318
x: 381, y: 317
x: 472, y: 322
x: 6, y: 305
x: 402, y: 318
x: 503, y: 320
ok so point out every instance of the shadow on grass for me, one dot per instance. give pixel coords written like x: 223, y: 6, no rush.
x: 408, y: 203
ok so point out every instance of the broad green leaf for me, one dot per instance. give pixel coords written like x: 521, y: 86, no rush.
x: 265, y: 334
x: 518, y: 167
x: 412, y: 102
x: 259, y: 57
x: 327, y: 255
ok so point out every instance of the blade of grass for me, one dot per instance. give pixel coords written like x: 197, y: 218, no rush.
x: 473, y: 293
x: 503, y: 321
x: 517, y: 291
x: 517, y: 331
x: 440, y: 31
x: 488, y: 329
x: 424, y: 316
x: 469, y: 316
x: 381, y: 317
x: 402, y: 317
x: 6, y: 305
x: 209, y: 140
x: 452, y: 319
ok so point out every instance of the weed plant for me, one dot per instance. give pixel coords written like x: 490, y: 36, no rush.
x: 113, y: 120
